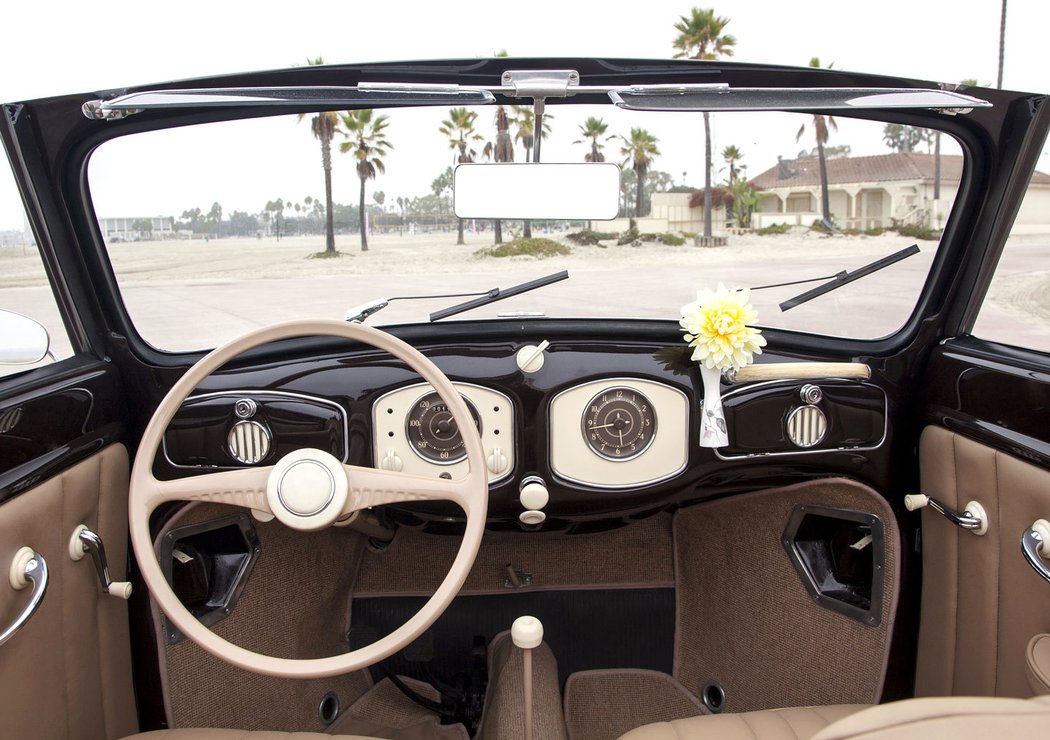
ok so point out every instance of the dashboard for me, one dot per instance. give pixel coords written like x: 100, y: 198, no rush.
x: 609, y: 429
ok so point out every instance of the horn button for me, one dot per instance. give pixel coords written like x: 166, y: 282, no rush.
x: 307, y: 489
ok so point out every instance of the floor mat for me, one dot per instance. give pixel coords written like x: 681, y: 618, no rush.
x: 586, y: 629
x: 640, y: 554
x: 745, y: 619
x: 603, y: 705
x: 385, y: 712
x: 294, y: 605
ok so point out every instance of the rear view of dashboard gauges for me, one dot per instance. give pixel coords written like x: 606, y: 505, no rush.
x: 619, y: 433
x: 414, y: 431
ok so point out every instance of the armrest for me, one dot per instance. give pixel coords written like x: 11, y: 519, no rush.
x: 1037, y: 661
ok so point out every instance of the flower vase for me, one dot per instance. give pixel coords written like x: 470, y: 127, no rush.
x: 713, y: 421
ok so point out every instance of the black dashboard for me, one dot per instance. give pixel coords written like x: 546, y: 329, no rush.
x: 610, y: 428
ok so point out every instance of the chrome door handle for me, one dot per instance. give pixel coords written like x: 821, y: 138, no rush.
x: 28, y: 565
x: 1034, y: 547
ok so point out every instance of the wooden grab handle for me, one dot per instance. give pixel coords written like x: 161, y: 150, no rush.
x: 801, y: 371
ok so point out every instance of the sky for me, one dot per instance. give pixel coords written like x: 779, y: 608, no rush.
x: 64, y: 47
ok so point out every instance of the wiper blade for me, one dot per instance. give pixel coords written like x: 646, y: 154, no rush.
x: 362, y: 312
x: 498, y: 294
x: 843, y: 278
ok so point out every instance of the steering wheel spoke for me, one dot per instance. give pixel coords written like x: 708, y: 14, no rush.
x: 373, y: 487
x: 241, y: 487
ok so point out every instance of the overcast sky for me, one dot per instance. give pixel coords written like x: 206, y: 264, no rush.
x: 51, y: 48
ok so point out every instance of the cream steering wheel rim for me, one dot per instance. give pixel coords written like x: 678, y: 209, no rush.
x: 247, y: 487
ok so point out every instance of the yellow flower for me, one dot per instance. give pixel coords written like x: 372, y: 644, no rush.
x: 718, y: 325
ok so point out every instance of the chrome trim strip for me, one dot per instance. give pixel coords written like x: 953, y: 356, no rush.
x: 285, y: 394
x: 825, y: 450
x: 613, y: 383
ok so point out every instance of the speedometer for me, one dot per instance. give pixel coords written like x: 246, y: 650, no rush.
x: 619, y: 423
x: 432, y: 432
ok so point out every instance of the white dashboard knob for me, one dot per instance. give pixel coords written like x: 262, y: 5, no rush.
x: 392, y: 461
x: 530, y: 357
x: 497, y: 461
x: 534, y: 496
x: 527, y: 632
x: 531, y: 517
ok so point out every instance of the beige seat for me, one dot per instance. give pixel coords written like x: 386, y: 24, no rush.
x: 202, y: 734
x: 958, y: 718
x: 795, y: 723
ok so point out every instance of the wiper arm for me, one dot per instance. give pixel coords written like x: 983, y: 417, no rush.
x: 362, y: 312
x: 497, y: 294
x: 843, y: 278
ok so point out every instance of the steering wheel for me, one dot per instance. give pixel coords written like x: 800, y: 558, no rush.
x: 307, y: 490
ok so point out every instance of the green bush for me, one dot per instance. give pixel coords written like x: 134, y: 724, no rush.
x: 873, y: 231
x: 587, y: 237
x: 819, y: 227
x: 917, y: 232
x: 689, y: 234
x: 774, y: 229
x: 671, y: 240
x: 538, y: 248
x: 627, y: 237
x: 325, y: 255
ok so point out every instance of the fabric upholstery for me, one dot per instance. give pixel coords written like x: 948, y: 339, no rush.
x: 204, y: 734
x: 603, y: 704
x: 981, y: 602
x: 67, y: 674
x: 797, y: 723
x: 504, y: 715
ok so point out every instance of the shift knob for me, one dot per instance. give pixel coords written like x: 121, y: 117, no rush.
x: 527, y: 632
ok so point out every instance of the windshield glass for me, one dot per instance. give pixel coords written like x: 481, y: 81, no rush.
x: 219, y: 228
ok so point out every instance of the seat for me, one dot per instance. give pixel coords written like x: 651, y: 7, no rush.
x: 205, y: 734
x: 794, y: 723
x: 960, y: 718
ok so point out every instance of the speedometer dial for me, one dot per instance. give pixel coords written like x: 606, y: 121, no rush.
x: 433, y: 433
x: 619, y: 423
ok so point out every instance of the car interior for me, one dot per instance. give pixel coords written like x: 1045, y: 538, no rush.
x: 507, y: 521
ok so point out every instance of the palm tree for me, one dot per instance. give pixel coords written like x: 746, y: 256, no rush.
x: 821, y: 127
x: 500, y: 150
x: 593, y: 129
x: 700, y: 37
x: 324, y: 126
x: 366, y: 138
x: 639, y: 149
x: 525, y: 121
x: 459, y: 128
x: 731, y: 154
x: 1002, y: 46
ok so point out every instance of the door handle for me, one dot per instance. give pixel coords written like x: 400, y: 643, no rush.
x: 1034, y: 547
x: 27, y: 566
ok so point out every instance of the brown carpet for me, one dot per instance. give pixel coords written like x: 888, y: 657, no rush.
x: 385, y: 712
x: 638, y: 554
x: 745, y: 619
x: 504, y: 715
x: 603, y: 705
x: 295, y: 605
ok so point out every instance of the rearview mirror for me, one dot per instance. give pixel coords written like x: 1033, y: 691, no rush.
x: 22, y: 340
x: 539, y: 190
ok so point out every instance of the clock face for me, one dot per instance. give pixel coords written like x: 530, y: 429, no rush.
x: 433, y: 433
x: 619, y: 423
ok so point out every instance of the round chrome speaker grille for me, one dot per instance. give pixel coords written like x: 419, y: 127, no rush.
x: 806, y: 426
x: 249, y: 442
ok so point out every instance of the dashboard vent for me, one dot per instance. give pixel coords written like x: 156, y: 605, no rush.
x: 806, y: 426
x: 249, y: 442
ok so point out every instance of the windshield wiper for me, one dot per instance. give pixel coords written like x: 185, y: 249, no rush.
x: 498, y: 294
x: 839, y: 279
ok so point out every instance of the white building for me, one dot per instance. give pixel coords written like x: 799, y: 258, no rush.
x: 132, y: 228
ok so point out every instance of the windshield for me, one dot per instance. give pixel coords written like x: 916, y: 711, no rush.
x: 219, y: 228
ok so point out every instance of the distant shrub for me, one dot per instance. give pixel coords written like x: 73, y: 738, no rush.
x: 628, y: 237
x: 774, y: 229
x: 325, y: 255
x: 917, y: 232
x: 819, y: 227
x: 539, y: 248
x: 588, y: 237
x: 689, y: 234
x: 852, y: 232
x: 873, y: 231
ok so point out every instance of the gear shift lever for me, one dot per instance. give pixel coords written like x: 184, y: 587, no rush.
x: 527, y: 633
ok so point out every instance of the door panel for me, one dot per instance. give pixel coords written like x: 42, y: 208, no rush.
x: 981, y: 602
x: 67, y: 673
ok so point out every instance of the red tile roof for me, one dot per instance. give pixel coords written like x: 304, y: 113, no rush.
x: 880, y: 168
